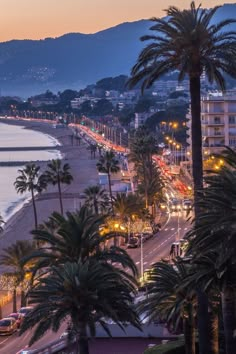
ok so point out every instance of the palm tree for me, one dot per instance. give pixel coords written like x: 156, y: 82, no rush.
x: 108, y: 164
x: 30, y: 180
x: 87, y: 293
x: 187, y: 41
x: 58, y: 175
x: 92, y: 148
x: 96, y: 198
x: 142, y: 148
x: 13, y: 258
x: 215, y: 231
x: 168, y: 300
x: 78, y: 237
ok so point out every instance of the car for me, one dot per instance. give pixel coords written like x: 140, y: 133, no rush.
x: 8, y: 325
x: 134, y: 242
x: 175, y: 205
x: 187, y: 204
x: 25, y: 310
x: 18, y: 317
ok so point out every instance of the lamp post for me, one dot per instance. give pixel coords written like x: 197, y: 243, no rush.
x: 141, y: 255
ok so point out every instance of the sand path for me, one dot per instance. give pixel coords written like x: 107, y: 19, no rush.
x: 84, y: 173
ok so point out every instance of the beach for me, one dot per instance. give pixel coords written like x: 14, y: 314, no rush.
x: 83, y: 170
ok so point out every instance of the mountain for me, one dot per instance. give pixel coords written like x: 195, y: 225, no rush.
x: 75, y: 60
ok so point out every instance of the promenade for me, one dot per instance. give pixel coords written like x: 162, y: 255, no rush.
x: 84, y: 172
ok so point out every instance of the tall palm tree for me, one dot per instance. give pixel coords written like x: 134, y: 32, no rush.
x: 108, y: 164
x: 13, y: 258
x: 96, y: 198
x: 189, y: 42
x: 169, y: 300
x: 30, y: 180
x: 58, y: 174
x: 86, y: 293
x: 215, y: 231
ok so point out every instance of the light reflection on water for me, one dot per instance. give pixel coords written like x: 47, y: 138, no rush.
x: 11, y: 136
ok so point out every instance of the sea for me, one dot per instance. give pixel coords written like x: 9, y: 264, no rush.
x: 17, y: 136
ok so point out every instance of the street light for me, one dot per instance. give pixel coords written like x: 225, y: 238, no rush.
x: 141, y: 255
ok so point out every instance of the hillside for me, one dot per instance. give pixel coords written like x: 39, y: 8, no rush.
x: 74, y: 60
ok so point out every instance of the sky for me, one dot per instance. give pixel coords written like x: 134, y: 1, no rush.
x: 38, y: 19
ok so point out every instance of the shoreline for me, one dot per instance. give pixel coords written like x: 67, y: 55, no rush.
x: 83, y: 170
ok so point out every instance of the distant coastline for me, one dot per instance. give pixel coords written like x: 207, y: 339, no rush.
x: 15, y: 204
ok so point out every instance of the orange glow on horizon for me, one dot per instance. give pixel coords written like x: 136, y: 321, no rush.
x: 38, y: 19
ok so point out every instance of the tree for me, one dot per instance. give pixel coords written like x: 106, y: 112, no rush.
x: 142, y: 148
x: 92, y: 148
x: 125, y: 205
x: 215, y: 232
x: 13, y: 258
x: 108, y: 164
x: 77, y: 237
x: 96, y: 198
x: 168, y: 300
x: 187, y: 41
x: 58, y: 175
x: 85, y: 293
x: 30, y: 180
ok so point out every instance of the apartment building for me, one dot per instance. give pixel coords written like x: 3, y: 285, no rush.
x: 218, y: 118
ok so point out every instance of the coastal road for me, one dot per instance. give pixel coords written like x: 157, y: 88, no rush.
x: 159, y: 246
x: 154, y: 250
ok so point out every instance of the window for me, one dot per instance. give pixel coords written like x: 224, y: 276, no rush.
x: 232, y: 120
x: 232, y: 141
x: 217, y: 120
x: 217, y: 131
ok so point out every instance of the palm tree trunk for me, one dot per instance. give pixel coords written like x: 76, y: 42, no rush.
x: 189, y: 332
x: 14, y: 306
x: 214, y: 335
x: 23, y: 299
x: 83, y: 342
x: 60, y: 196
x: 112, y: 208
x: 95, y: 204
x: 197, y: 172
x: 35, y: 211
x: 229, y: 318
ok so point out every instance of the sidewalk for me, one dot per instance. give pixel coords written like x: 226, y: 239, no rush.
x: 7, y: 308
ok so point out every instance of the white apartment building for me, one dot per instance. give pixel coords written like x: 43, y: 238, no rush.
x: 218, y: 118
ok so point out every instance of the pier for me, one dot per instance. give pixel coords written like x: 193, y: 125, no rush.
x: 29, y: 148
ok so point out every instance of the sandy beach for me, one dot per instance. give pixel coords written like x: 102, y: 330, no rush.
x: 84, y: 173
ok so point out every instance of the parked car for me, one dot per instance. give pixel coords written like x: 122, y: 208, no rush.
x: 25, y: 310
x: 18, y: 317
x: 134, y: 242
x: 8, y: 325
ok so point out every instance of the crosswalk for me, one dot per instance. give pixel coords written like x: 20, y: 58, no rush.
x: 174, y: 228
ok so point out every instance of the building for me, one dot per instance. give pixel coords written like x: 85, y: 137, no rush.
x: 140, y: 119
x: 218, y: 118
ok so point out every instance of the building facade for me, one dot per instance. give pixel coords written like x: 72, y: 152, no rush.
x: 218, y: 120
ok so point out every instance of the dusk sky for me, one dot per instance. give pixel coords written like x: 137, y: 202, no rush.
x: 36, y: 19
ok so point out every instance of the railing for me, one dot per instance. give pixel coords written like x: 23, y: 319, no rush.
x: 59, y: 346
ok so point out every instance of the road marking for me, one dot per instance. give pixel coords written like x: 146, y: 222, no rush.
x: 172, y: 228
x: 145, y: 263
x: 166, y: 229
x: 185, y: 228
x: 137, y: 263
